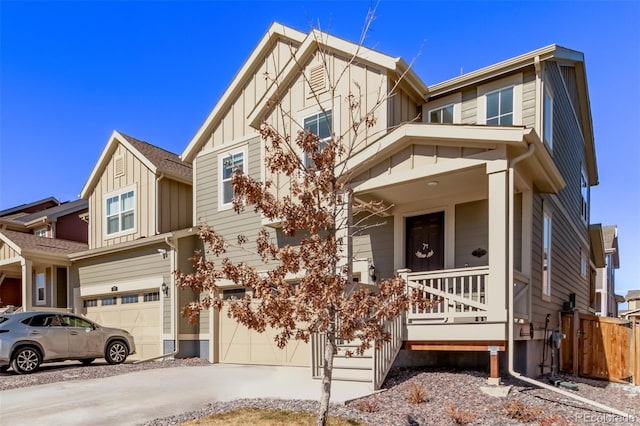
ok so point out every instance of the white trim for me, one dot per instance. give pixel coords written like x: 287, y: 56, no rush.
x: 547, y: 94
x: 547, y: 287
x: 455, y: 100
x: 317, y: 112
x: 136, y: 211
x: 514, y: 81
x: 41, y: 301
x: 244, y: 150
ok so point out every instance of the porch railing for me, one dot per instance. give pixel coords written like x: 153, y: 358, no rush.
x: 458, y: 295
x: 383, y: 358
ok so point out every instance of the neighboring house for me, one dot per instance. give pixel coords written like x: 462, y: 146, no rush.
x: 633, y: 305
x: 35, y: 241
x: 140, y: 218
x: 494, y: 177
x: 606, y: 303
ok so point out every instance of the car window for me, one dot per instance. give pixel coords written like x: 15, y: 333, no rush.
x: 43, y: 320
x: 71, y: 321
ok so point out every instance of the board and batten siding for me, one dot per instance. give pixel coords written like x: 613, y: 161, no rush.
x: 375, y: 243
x: 6, y: 252
x: 227, y: 222
x: 137, y: 176
x: 174, y: 205
x: 233, y: 124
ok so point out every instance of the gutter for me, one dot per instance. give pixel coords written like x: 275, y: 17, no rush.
x: 510, y: 354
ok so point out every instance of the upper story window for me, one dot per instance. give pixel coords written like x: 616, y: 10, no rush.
x: 228, y: 164
x: 41, y: 232
x: 548, y: 119
x: 584, y: 191
x: 120, y: 212
x: 500, y: 107
x: 443, y: 115
x: 546, y: 255
x: 319, y: 124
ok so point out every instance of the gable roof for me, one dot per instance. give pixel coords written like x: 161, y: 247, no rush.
x: 30, y: 207
x: 610, y: 240
x: 54, y: 213
x: 308, y: 45
x: 158, y: 160
x: 25, y: 243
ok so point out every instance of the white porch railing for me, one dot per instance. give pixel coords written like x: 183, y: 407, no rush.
x: 383, y: 358
x: 459, y: 295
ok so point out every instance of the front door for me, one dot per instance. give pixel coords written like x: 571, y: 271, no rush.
x: 425, y: 242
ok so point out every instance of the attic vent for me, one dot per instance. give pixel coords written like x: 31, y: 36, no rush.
x: 317, y: 81
x: 118, y: 166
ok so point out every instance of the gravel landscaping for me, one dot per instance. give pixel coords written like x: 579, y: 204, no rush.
x: 408, y: 397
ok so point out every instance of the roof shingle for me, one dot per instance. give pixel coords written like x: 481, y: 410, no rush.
x: 165, y: 161
x: 43, y: 244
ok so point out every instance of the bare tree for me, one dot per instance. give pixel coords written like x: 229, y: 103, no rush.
x: 318, y: 209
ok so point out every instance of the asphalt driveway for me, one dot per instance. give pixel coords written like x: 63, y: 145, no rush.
x: 134, y: 398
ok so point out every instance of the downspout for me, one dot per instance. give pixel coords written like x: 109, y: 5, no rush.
x: 510, y: 351
x: 158, y: 179
x: 174, y: 314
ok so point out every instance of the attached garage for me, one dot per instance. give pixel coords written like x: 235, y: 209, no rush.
x: 138, y: 313
x: 240, y: 345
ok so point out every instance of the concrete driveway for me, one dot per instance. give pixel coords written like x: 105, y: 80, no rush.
x: 135, y: 398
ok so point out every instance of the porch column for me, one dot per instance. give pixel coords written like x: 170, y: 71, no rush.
x: 27, y: 284
x: 498, y: 242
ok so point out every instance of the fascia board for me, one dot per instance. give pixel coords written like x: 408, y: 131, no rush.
x: 58, y: 258
x: 597, y: 245
x: 144, y: 160
x: 10, y: 243
x: 456, y: 134
x: 317, y: 40
x: 587, y: 123
x: 545, y: 163
x: 275, y: 31
x: 504, y: 67
x: 97, y: 169
x: 119, y: 247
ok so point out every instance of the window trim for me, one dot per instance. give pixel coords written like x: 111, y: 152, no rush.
x: 118, y: 194
x: 128, y: 299
x: 547, y: 235
x: 454, y: 100
x: 41, y: 286
x: 245, y: 167
x: 584, y: 196
x: 441, y: 108
x: 39, y: 231
x: 318, y: 113
x: 514, y: 81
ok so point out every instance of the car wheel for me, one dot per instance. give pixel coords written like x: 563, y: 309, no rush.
x: 26, y: 360
x: 116, y: 352
x: 87, y: 361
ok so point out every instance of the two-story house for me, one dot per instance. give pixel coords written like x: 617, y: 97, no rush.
x: 606, y: 303
x: 486, y: 177
x: 35, y: 241
x: 139, y: 198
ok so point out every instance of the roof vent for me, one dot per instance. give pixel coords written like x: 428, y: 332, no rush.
x: 317, y: 81
x: 118, y: 166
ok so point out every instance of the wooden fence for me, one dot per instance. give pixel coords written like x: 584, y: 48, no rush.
x: 601, y: 347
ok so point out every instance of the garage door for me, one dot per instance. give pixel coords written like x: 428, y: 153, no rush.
x: 139, y: 314
x: 240, y: 345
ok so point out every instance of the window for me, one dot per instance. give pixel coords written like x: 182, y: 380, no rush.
x: 73, y: 321
x: 41, y: 232
x: 40, y: 289
x: 548, y: 119
x: 546, y: 255
x: 107, y: 301
x: 120, y: 212
x: 584, y: 264
x: 90, y: 303
x: 442, y: 115
x: 228, y: 165
x: 129, y: 298
x: 152, y: 297
x: 500, y: 107
x: 234, y: 293
x: 320, y: 125
x: 584, y: 191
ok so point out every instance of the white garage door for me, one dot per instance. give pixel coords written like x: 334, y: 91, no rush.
x: 240, y: 345
x: 132, y: 313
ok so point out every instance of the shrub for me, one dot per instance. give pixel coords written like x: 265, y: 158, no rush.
x: 366, y: 405
x: 416, y: 394
x: 517, y: 410
x: 461, y: 416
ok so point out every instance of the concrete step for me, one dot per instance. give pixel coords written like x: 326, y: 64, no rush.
x: 352, y: 374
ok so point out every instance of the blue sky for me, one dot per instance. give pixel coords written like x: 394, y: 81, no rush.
x: 71, y: 72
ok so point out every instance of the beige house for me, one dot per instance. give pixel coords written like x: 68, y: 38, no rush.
x: 140, y: 217
x: 35, y: 241
x: 606, y: 303
x: 486, y: 176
